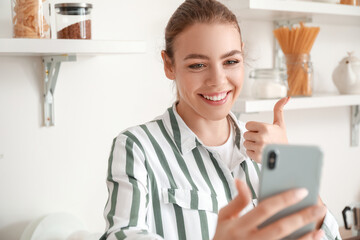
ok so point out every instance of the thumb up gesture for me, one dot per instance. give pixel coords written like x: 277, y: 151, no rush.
x: 259, y: 134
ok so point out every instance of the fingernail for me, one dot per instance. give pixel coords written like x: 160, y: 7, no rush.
x: 301, y: 193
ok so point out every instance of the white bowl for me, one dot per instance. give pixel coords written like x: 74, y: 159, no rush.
x: 55, y: 226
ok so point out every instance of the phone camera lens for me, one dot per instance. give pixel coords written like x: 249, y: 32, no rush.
x: 272, y: 160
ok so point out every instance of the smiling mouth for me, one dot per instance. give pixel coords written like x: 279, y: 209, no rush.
x: 216, y: 97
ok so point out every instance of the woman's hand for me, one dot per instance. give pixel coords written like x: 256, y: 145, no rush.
x: 319, y: 223
x: 230, y: 226
x: 259, y: 134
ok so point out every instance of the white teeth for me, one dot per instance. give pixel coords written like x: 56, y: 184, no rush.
x: 216, y: 97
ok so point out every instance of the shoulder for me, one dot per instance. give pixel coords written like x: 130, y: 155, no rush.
x: 135, y: 133
x: 131, y: 142
x: 139, y: 134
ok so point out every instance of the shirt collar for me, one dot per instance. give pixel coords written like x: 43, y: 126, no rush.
x: 184, y: 138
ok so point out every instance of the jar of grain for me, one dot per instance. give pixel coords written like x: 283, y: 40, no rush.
x: 73, y: 20
x: 30, y: 18
x: 269, y: 83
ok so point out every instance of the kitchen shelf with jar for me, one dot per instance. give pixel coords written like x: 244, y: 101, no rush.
x: 318, y: 11
x: 55, y: 51
x: 252, y: 105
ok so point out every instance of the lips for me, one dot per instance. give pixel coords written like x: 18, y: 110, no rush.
x: 215, y: 96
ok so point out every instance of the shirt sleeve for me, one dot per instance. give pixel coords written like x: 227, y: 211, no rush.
x: 128, y: 199
x: 330, y: 227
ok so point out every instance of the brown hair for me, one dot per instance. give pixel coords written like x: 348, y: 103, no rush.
x: 196, y: 11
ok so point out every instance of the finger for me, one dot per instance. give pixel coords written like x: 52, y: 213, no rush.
x: 252, y: 136
x: 289, y: 224
x: 272, y: 205
x: 255, y: 126
x: 320, y: 203
x: 253, y: 146
x: 238, y: 203
x: 314, y: 235
x: 278, y: 111
x: 254, y: 156
x: 254, y: 150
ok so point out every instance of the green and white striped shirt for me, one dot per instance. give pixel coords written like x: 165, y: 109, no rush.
x: 164, y: 183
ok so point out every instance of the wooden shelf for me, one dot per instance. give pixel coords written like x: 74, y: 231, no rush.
x: 347, y: 234
x: 289, y: 9
x: 50, y: 47
x: 251, y: 105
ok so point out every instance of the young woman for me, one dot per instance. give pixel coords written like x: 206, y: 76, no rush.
x: 190, y: 173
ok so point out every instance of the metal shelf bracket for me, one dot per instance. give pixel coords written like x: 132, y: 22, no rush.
x: 355, y: 122
x: 51, y: 70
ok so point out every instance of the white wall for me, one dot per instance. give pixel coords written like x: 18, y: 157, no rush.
x: 63, y: 168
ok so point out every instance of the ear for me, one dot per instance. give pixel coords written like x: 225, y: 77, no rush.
x: 242, y: 46
x: 168, y: 66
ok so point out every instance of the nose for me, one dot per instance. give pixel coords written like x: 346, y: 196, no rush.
x: 217, y: 76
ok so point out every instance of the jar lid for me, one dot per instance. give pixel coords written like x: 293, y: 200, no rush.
x: 269, y: 73
x: 73, y: 8
x: 78, y: 5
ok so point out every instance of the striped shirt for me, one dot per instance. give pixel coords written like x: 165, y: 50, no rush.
x: 163, y: 182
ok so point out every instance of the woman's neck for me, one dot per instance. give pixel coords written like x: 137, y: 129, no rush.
x: 210, y: 132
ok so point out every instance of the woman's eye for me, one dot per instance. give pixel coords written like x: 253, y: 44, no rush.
x: 196, y: 66
x: 231, y: 62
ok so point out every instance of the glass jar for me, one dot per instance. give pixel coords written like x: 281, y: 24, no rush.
x: 300, y: 74
x: 350, y: 2
x: 73, y: 20
x: 30, y: 18
x: 269, y: 83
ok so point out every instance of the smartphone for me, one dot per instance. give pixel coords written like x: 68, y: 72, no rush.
x: 285, y: 167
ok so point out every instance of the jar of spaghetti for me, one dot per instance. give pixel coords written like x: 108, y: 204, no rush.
x: 268, y: 83
x: 300, y: 74
x: 73, y: 20
x: 30, y: 18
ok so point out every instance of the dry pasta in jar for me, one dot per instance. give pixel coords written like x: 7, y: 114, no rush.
x: 296, y: 44
x: 30, y: 18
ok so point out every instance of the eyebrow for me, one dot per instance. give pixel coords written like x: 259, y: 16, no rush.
x: 201, y: 56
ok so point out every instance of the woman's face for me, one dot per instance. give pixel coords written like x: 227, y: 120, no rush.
x: 208, y: 70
